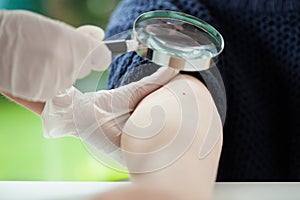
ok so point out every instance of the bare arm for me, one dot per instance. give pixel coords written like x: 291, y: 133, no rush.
x: 164, y: 136
x: 36, y: 107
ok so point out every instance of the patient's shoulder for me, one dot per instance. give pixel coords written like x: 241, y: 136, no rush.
x: 180, y: 105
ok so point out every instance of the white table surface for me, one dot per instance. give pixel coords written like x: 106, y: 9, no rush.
x: 25, y: 190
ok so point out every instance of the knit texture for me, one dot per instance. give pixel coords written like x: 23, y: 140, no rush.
x: 261, y: 70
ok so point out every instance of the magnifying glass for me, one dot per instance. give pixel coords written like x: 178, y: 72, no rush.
x: 172, y: 39
x: 178, y: 40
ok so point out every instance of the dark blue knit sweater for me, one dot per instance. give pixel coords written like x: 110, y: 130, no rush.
x: 261, y: 70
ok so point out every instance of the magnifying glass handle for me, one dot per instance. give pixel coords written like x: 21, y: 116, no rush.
x: 121, y: 46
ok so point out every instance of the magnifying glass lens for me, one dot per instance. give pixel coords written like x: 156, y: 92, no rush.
x: 176, y: 37
x: 170, y: 33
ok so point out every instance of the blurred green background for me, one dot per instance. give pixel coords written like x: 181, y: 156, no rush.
x: 24, y: 153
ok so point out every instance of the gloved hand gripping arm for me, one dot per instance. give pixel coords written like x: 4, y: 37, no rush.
x: 97, y: 118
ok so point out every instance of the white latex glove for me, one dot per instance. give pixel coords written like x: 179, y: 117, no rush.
x: 40, y: 56
x: 97, y: 118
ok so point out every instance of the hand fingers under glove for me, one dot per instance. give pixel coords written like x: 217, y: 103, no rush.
x: 40, y: 56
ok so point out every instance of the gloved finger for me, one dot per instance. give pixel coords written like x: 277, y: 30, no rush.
x: 136, y: 91
x: 99, y: 60
x: 99, y: 54
x: 94, y: 31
